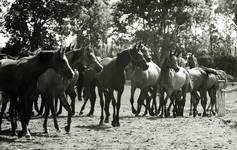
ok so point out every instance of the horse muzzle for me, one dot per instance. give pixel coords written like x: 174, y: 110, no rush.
x: 145, y: 67
x: 176, y: 69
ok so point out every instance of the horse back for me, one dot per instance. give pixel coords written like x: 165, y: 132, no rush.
x: 149, y: 77
x: 111, y: 76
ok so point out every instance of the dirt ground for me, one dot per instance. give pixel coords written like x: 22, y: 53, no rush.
x: 133, y: 133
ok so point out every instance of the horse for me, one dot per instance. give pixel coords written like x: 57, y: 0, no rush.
x: 211, y: 84
x: 172, y: 78
x: 19, y: 77
x: 112, y: 78
x: 51, y: 85
x: 146, y: 81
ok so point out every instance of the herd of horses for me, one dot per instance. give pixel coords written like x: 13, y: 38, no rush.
x: 53, y: 75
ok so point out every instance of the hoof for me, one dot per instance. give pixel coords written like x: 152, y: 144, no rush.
x: 28, y: 136
x: 114, y: 123
x: 58, y: 130
x: 190, y: 114
x: 73, y: 113
x: 58, y: 113
x: 106, y: 120
x: 134, y: 111
x: 46, y: 131
x: 67, y: 129
x: 89, y: 114
x: 81, y: 113
x: 20, y: 134
x: 13, y: 133
x: 161, y: 116
x: 118, y: 124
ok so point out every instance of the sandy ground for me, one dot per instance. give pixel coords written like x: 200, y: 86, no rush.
x: 134, y: 132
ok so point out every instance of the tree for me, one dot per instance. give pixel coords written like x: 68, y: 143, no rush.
x: 30, y: 22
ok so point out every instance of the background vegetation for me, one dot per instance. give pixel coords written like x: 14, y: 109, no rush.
x: 203, y: 27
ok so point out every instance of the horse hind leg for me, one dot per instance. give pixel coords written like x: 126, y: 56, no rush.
x: 64, y: 102
x: 4, y: 106
x: 107, y: 103
x: 118, y: 106
x: 12, y: 113
x: 52, y: 107
x: 195, y: 100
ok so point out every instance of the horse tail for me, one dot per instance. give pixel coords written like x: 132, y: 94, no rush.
x: 210, y: 70
x: 229, y: 77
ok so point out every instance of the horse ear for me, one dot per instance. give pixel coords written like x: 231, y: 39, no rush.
x: 68, y: 48
x: 61, y: 51
x: 138, y: 45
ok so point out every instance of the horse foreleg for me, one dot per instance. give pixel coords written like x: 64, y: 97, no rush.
x: 154, y: 105
x: 140, y: 101
x: 120, y: 92
x: 191, y: 105
x: 46, y: 99
x: 169, y: 93
x: 107, y: 102
x: 172, y: 99
x: 64, y: 102
x: 195, y: 100
x: 83, y: 106
x: 92, y: 100
x: 42, y: 105
x: 79, y: 85
x: 161, y: 101
x: 133, y: 89
x: 114, y: 103
x: 183, y: 102
x: 101, y: 105
x: 72, y: 94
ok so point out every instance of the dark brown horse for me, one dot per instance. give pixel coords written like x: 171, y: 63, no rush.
x: 112, y: 78
x: 18, y: 78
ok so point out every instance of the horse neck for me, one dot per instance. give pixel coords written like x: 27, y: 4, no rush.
x: 73, y: 58
x: 123, y: 60
x: 34, y: 67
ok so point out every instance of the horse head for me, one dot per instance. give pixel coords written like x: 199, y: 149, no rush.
x: 90, y: 59
x: 146, y: 52
x: 191, y: 60
x: 56, y: 60
x: 171, y: 62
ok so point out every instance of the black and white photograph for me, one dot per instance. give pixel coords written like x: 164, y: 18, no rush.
x: 118, y: 74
